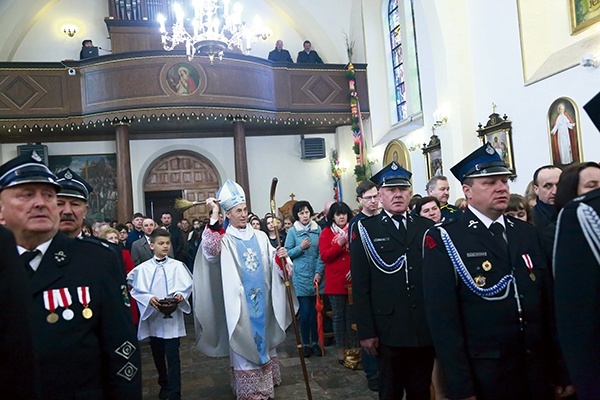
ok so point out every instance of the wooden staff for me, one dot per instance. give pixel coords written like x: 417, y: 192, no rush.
x: 288, y: 290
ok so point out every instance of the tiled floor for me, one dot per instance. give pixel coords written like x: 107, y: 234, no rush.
x: 208, y: 378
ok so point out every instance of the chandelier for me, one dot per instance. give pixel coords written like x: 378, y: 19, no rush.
x: 216, y: 26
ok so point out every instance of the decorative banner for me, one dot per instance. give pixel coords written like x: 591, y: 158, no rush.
x: 362, y: 170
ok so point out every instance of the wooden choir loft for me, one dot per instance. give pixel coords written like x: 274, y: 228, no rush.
x: 133, y: 94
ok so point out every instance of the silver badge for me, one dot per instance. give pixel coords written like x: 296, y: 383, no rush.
x: 473, y: 224
x: 394, y: 166
x: 68, y: 175
x: 36, y: 156
x: 60, y: 256
x: 128, y: 371
x: 125, y: 350
x: 489, y: 149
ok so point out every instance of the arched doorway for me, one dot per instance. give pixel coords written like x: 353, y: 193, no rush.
x: 184, y: 174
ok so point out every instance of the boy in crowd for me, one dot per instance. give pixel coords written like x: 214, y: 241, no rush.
x: 158, y: 278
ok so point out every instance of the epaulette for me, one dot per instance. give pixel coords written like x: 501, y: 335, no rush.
x: 96, y: 241
x: 588, y: 196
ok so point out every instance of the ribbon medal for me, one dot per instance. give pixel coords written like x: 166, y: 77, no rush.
x: 64, y: 300
x: 529, y: 265
x: 83, y: 292
x: 50, y: 302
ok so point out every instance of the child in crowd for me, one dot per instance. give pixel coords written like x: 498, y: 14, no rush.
x: 158, y: 278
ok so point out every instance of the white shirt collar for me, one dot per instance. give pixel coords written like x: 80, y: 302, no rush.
x: 404, y: 214
x: 486, y: 220
x: 43, y: 248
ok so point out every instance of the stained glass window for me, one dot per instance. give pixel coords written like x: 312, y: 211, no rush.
x: 401, y: 24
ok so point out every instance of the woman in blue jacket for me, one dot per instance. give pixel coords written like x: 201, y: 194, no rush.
x: 302, y: 244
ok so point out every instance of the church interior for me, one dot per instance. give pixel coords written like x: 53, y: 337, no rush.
x: 429, y: 82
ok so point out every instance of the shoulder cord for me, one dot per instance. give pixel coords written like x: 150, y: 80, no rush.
x: 590, y: 225
x: 376, y: 259
x: 461, y: 270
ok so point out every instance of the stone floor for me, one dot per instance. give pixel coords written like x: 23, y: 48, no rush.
x: 208, y: 378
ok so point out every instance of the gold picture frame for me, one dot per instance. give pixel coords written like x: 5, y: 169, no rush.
x: 433, y: 157
x: 498, y: 133
x: 583, y: 14
x: 397, y: 151
x: 568, y: 150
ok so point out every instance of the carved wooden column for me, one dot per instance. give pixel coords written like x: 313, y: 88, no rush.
x: 241, y: 159
x: 124, y: 186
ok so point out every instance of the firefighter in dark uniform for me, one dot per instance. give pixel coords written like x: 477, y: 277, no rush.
x: 487, y: 294
x: 387, y: 289
x: 83, y: 336
x: 577, y: 291
x: 577, y: 284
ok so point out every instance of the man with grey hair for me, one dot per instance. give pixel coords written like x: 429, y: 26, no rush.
x: 439, y: 188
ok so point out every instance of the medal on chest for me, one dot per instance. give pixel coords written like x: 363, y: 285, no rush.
x: 83, y: 293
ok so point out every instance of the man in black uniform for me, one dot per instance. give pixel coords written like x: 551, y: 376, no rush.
x: 487, y: 293
x: 83, y: 336
x: 439, y: 188
x: 72, y: 202
x: 387, y: 288
x: 18, y: 377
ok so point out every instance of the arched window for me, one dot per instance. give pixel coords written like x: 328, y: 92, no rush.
x: 404, y: 58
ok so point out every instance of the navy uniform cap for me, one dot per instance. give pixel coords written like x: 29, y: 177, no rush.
x: 73, y: 185
x: 484, y: 161
x: 392, y: 175
x: 26, y: 168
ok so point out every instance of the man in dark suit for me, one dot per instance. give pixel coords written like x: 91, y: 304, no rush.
x: 179, y: 253
x: 439, y: 188
x: 140, y: 249
x: 18, y: 377
x: 487, y: 293
x: 308, y: 56
x: 387, y: 289
x: 279, y: 53
x: 83, y: 335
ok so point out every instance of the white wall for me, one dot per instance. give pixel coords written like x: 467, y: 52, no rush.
x: 469, y: 57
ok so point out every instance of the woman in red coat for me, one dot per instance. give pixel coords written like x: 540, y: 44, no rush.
x: 335, y: 252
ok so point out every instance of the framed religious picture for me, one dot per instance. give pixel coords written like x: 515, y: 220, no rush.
x: 433, y: 157
x: 583, y: 13
x: 563, y: 128
x: 498, y: 132
x: 100, y: 171
x: 397, y: 151
x: 183, y: 78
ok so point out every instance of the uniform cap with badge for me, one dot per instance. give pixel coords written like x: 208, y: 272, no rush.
x: 26, y: 168
x: 392, y: 175
x: 73, y: 185
x: 484, y: 161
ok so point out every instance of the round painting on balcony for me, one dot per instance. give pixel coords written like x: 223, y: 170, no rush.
x: 183, y: 78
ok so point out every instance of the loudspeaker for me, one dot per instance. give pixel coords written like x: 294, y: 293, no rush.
x: 313, y: 148
x: 40, y: 149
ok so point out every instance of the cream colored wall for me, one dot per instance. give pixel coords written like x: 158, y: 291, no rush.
x: 469, y: 57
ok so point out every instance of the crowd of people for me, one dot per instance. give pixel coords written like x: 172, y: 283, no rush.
x: 479, y: 298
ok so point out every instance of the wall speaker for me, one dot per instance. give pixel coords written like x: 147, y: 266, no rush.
x: 40, y: 149
x: 313, y: 148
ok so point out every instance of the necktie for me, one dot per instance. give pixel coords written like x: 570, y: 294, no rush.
x: 401, y: 227
x: 26, y: 259
x: 497, y: 230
